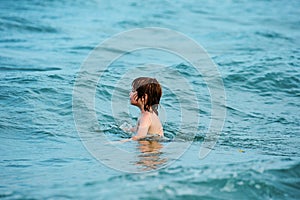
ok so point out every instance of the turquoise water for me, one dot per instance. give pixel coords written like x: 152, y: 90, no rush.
x: 256, y: 47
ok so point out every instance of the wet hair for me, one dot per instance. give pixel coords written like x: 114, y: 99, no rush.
x: 151, y: 87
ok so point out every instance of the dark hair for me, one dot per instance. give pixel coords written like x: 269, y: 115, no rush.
x: 151, y: 87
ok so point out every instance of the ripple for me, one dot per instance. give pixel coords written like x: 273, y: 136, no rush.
x: 22, y: 24
x: 30, y: 69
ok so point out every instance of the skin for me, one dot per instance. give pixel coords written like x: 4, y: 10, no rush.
x: 147, y: 122
x: 144, y: 122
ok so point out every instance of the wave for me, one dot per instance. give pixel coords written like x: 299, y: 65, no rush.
x: 232, y: 181
x: 266, y: 83
x: 249, y: 183
x: 29, y: 69
x: 15, y: 23
x: 273, y: 35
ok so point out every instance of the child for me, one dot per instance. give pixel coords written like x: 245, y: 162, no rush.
x: 146, y: 93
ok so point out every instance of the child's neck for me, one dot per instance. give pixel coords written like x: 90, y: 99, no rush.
x: 143, y: 110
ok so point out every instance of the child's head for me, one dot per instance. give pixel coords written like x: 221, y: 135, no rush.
x: 148, y: 91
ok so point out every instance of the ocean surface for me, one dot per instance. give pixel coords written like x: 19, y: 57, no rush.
x: 256, y: 48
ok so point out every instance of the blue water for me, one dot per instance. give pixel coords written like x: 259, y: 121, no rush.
x: 256, y: 47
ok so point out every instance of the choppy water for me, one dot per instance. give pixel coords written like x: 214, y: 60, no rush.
x: 256, y: 47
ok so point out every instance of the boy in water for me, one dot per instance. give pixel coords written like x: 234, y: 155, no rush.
x: 146, y: 93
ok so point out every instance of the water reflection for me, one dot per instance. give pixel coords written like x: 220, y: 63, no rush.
x: 151, y: 156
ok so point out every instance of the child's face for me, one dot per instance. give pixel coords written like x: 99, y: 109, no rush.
x: 133, y: 95
x: 133, y: 98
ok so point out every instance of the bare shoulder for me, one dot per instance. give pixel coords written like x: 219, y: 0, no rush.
x: 145, y: 118
x: 146, y: 115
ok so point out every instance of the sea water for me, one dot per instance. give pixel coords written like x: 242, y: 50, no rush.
x: 255, y: 45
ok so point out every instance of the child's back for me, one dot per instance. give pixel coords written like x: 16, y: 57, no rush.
x: 155, y: 127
